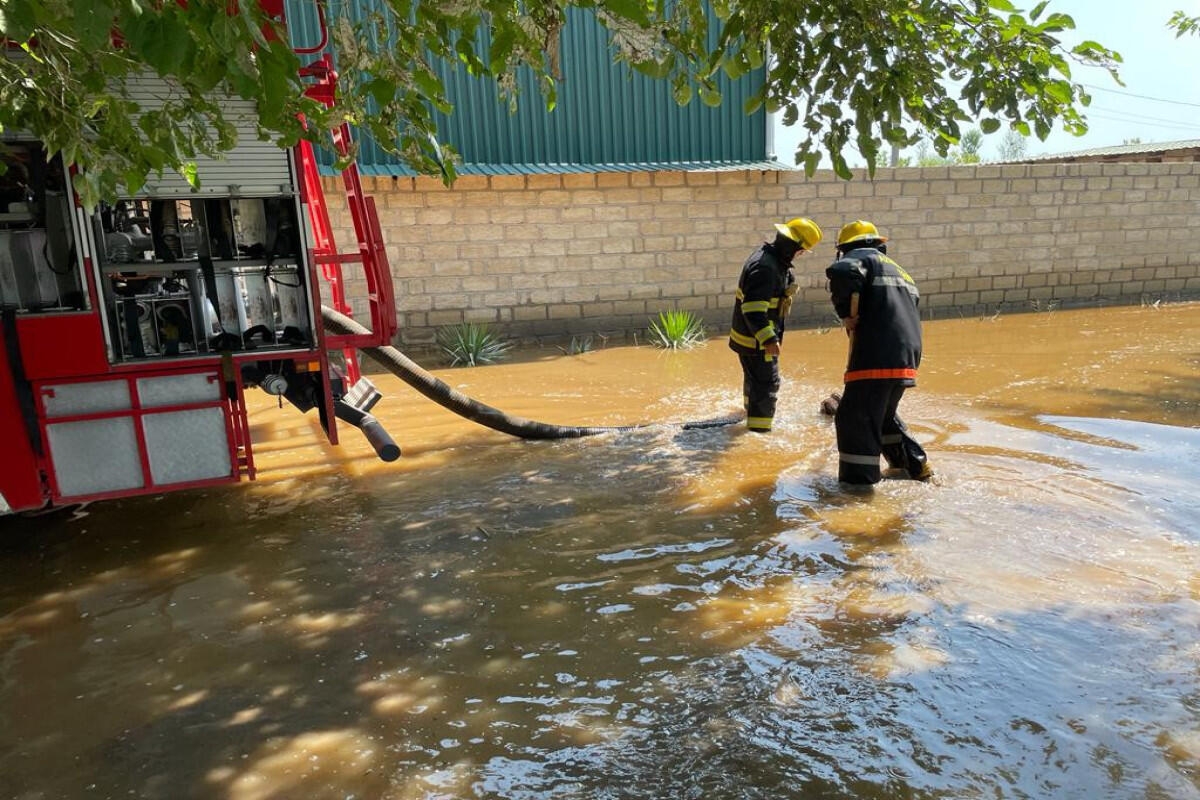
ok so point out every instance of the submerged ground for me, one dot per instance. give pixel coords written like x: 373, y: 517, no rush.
x: 654, y: 614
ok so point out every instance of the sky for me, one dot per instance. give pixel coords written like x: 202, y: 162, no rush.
x: 1156, y: 65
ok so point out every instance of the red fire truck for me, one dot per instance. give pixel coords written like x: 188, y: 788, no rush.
x: 130, y: 334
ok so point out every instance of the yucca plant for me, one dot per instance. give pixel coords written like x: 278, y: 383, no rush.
x: 472, y: 344
x: 578, y: 345
x: 677, y: 330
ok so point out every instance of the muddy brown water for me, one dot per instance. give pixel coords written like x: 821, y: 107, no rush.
x: 652, y: 614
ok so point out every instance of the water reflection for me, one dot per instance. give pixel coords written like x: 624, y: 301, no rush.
x: 658, y: 613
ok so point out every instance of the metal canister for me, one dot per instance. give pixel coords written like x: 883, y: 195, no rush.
x: 289, y: 293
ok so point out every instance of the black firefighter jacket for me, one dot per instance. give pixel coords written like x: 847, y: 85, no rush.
x: 764, y: 293
x: 886, y: 343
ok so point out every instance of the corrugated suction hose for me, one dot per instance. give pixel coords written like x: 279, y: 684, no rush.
x: 441, y: 393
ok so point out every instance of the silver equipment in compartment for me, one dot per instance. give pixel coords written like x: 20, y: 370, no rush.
x: 155, y: 325
x: 263, y: 305
x: 27, y: 279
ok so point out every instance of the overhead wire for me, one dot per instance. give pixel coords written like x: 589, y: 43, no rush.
x: 1154, y: 122
x: 1142, y: 96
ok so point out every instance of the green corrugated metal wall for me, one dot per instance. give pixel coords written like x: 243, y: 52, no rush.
x: 606, y: 114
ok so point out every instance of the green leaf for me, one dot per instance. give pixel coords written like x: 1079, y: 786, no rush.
x: 95, y: 23
x: 709, y: 95
x: 632, y: 10
x: 1001, y: 5
x: 134, y: 180
x: 381, y: 91
x: 188, y: 171
x: 732, y: 68
x: 428, y: 83
x: 682, y: 93
x: 989, y: 125
x: 653, y: 69
x: 1060, y: 91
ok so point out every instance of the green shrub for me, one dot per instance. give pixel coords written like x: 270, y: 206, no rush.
x: 472, y: 344
x: 677, y: 330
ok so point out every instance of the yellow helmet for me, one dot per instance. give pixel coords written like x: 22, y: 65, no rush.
x: 858, y: 230
x: 801, y: 230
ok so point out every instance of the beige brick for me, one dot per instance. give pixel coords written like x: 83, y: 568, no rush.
x: 435, y: 216
x: 913, y: 188
x: 630, y: 307
x: 620, y: 245
x: 700, y: 178
x: 401, y: 200
x: 470, y: 183
x: 506, y: 183
x: 546, y: 297
x: 481, y: 283
x: 484, y: 315
x: 579, y: 180
x: 527, y: 313
x: 440, y: 318
x: 555, y: 198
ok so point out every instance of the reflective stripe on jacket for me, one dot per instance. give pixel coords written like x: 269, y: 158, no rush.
x: 759, y: 303
x: 887, y: 338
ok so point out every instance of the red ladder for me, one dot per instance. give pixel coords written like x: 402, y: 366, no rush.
x: 371, y: 252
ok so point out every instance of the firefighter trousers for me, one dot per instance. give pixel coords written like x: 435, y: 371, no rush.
x: 868, y: 427
x: 760, y: 390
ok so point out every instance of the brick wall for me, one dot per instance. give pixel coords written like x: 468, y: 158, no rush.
x: 545, y: 257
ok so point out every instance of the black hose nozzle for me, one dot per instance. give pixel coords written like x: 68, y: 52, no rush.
x: 385, y: 447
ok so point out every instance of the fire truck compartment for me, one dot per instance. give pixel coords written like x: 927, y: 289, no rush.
x: 136, y: 433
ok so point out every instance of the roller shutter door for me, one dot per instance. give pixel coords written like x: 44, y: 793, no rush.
x: 254, y: 167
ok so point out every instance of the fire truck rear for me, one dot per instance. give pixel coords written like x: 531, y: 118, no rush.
x: 129, y: 334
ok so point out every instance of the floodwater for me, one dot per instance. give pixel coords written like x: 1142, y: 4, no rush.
x: 652, y: 614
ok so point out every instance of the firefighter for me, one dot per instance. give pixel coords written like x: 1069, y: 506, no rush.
x: 877, y: 301
x: 764, y: 295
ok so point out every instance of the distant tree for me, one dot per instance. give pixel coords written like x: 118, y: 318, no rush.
x: 926, y: 157
x: 884, y: 159
x: 1012, y: 147
x: 1134, y: 140
x: 967, y: 151
x: 969, y: 146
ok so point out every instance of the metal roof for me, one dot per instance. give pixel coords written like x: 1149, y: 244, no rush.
x: 1140, y: 148
x: 607, y: 116
x: 388, y: 170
